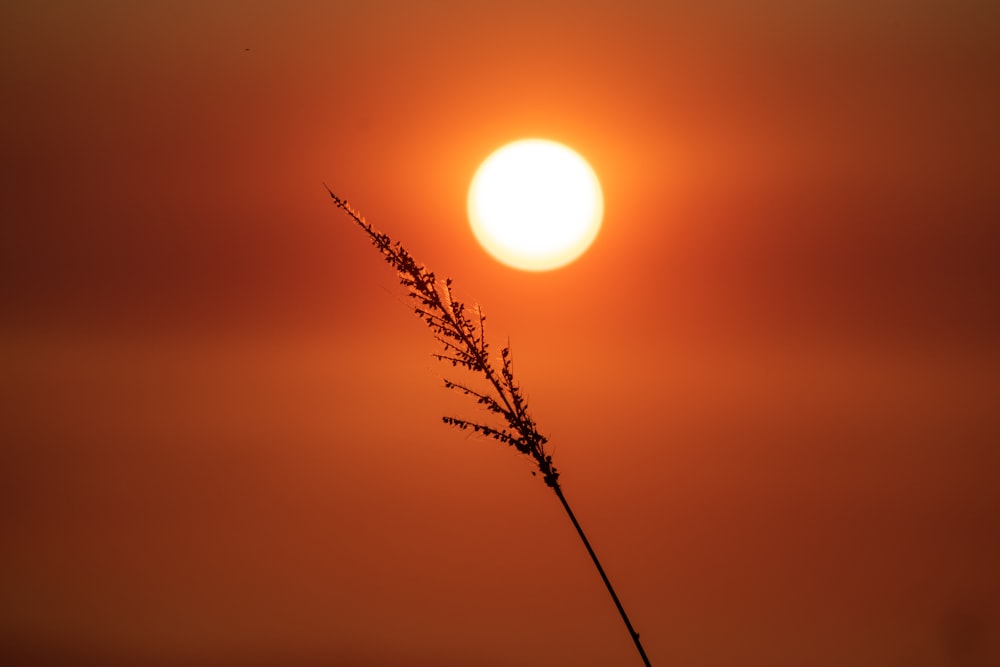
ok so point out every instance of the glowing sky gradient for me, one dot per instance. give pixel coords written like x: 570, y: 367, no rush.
x: 771, y: 384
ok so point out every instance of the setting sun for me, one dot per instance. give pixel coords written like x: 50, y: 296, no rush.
x: 535, y: 205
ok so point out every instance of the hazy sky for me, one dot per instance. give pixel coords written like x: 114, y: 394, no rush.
x: 771, y: 384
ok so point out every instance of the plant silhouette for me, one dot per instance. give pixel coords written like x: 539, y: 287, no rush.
x: 461, y: 333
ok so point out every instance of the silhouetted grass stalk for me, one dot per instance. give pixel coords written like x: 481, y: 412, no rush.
x: 462, y: 337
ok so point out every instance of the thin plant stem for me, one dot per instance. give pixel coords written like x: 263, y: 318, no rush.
x: 463, y: 338
x: 604, y: 577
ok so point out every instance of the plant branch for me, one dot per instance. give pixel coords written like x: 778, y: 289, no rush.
x: 463, y: 340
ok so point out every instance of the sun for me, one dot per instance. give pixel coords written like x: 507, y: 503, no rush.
x: 535, y: 205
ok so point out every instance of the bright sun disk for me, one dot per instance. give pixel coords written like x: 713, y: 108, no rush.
x: 535, y: 205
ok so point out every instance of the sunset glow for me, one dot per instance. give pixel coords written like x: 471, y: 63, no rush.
x: 749, y: 299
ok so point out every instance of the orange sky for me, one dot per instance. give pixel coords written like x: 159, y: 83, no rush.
x: 771, y: 384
